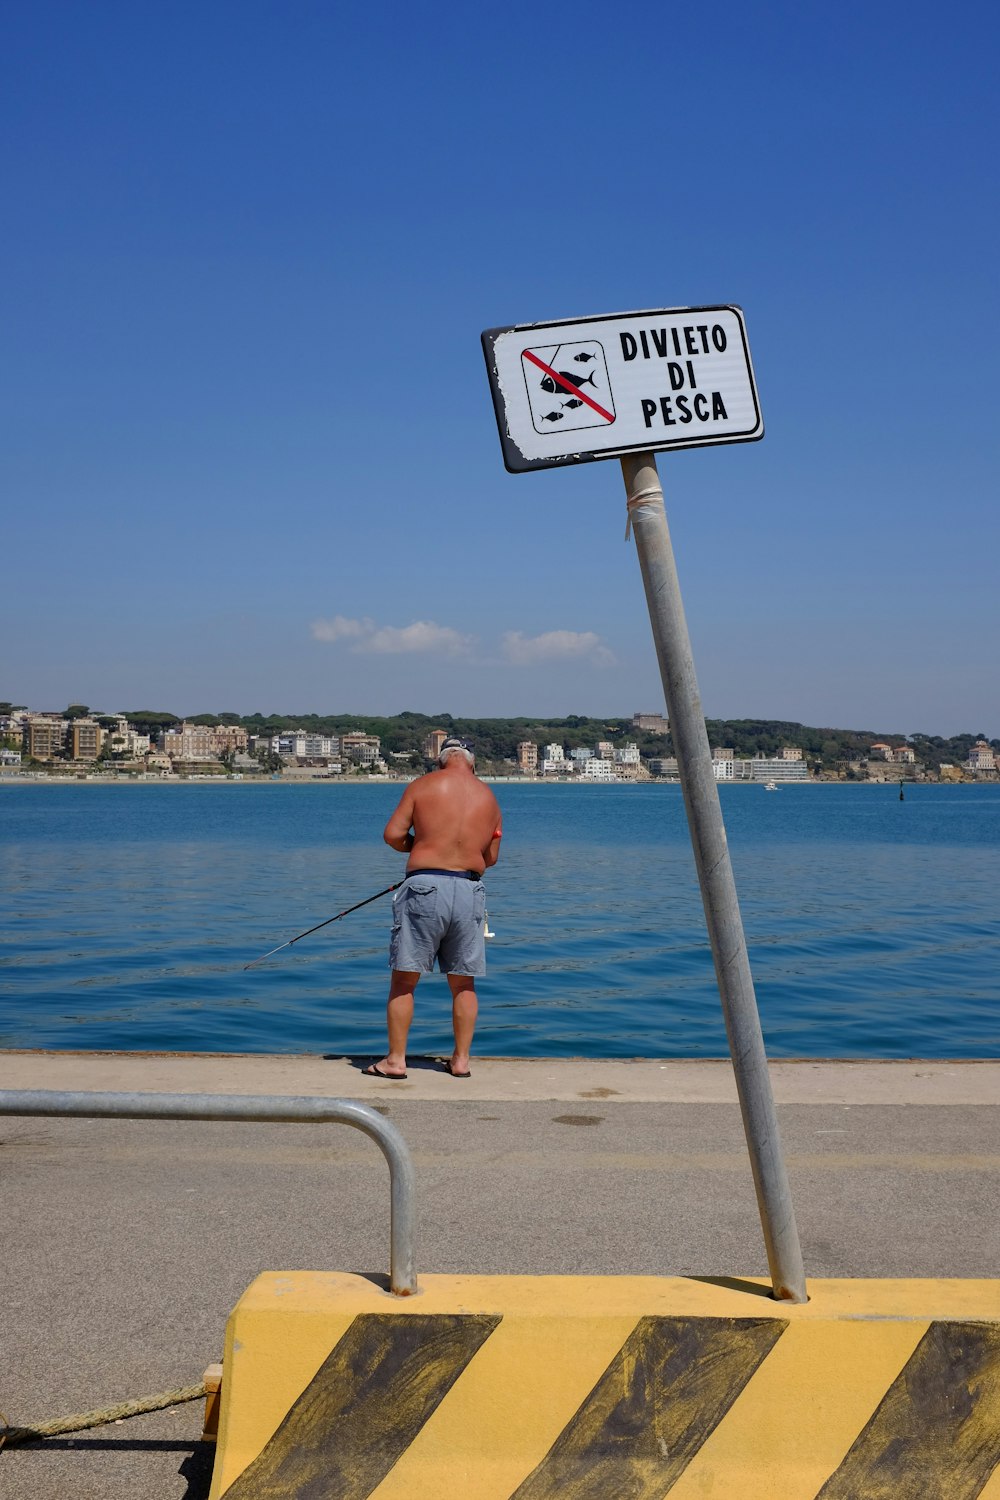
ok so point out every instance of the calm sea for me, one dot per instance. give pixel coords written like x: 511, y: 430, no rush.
x: 129, y: 911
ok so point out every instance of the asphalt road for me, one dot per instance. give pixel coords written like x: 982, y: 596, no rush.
x: 127, y: 1242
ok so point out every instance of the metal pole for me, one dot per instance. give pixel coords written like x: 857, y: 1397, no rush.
x: 715, y: 874
x: 267, y: 1108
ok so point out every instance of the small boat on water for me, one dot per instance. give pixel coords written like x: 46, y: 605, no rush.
x: 770, y: 786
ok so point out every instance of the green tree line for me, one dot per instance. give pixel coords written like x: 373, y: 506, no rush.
x: 495, y: 740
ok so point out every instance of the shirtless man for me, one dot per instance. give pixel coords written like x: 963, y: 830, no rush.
x: 448, y: 823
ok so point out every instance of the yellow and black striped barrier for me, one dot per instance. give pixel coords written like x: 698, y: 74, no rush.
x: 593, y: 1388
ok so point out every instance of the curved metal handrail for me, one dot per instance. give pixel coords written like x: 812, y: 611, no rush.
x: 266, y: 1108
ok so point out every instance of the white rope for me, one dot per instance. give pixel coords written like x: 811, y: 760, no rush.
x: 651, y: 496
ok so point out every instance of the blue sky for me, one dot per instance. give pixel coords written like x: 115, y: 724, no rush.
x: 249, y: 459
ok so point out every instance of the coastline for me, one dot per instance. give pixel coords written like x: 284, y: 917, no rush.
x: 42, y: 779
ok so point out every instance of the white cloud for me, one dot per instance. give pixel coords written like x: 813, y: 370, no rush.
x: 340, y: 628
x: 422, y: 635
x: 366, y: 637
x: 555, y: 645
x: 392, y: 640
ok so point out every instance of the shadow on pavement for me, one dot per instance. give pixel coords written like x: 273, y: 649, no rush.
x: 197, y: 1470
x: 112, y: 1445
x: 735, y: 1284
x: 422, y: 1064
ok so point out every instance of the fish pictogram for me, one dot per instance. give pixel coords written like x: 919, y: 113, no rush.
x: 548, y: 384
x: 583, y: 394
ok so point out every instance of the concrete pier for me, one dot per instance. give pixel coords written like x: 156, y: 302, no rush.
x: 127, y: 1242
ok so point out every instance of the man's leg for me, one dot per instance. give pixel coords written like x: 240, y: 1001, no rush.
x: 399, y: 1014
x: 464, y: 1010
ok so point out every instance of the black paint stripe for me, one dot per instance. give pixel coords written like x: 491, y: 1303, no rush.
x: 935, y: 1434
x: 364, y: 1406
x: 666, y: 1389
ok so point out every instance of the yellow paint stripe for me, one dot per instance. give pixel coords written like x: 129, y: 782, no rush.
x: 501, y: 1418
x: 333, y: 1297
x: 991, y: 1489
x: 799, y: 1415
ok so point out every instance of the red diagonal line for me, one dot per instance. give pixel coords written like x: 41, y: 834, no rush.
x: 567, y: 385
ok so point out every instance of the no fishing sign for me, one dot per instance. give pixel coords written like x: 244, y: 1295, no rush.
x: 565, y: 393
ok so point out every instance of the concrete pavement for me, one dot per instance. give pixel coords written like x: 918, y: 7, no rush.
x: 632, y: 1080
x: 127, y: 1242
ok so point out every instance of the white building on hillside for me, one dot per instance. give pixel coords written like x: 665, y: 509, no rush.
x: 596, y: 769
x: 309, y: 746
x: 776, y: 768
x: 126, y: 741
x: 982, y: 757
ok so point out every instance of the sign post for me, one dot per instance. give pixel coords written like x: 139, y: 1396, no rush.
x: 715, y: 873
x: 693, y: 388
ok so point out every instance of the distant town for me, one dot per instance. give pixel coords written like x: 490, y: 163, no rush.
x: 83, y: 743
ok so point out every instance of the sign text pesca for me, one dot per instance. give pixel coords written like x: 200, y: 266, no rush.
x: 692, y: 404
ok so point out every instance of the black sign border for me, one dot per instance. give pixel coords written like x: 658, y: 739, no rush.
x: 514, y: 460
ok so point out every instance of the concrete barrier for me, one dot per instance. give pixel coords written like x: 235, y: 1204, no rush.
x: 592, y: 1388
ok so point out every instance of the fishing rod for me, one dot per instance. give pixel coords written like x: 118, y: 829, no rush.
x: 322, y: 924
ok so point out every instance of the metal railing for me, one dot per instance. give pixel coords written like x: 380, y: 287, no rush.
x: 266, y: 1109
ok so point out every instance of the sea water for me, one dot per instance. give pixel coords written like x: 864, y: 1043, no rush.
x: 129, y: 911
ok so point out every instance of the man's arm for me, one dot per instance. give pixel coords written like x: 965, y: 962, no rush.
x: 492, y: 851
x: 397, y: 831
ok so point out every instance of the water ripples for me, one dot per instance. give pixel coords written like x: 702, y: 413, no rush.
x: 131, y: 910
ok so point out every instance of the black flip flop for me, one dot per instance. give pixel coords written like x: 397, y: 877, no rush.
x: 449, y: 1069
x: 376, y: 1072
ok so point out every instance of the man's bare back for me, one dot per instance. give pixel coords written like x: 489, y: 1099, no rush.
x: 455, y: 821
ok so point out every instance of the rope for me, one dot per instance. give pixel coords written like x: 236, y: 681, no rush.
x: 651, y: 496
x: 10, y: 1436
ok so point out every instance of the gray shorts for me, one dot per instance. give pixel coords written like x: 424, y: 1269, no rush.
x: 439, y: 917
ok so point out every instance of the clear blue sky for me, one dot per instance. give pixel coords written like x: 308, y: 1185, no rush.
x: 249, y: 459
